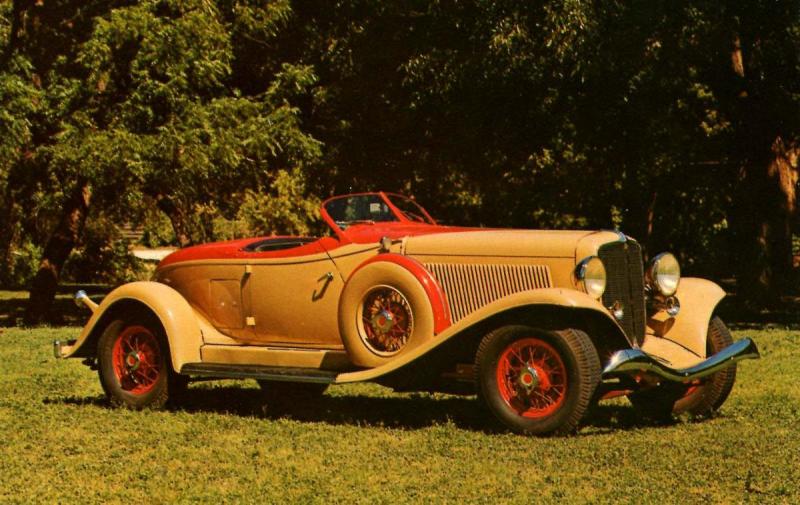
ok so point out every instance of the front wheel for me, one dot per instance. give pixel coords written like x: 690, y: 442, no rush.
x: 701, y: 398
x: 135, y: 369
x: 706, y: 397
x: 537, y: 382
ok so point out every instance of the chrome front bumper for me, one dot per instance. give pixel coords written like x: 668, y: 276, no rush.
x: 633, y: 361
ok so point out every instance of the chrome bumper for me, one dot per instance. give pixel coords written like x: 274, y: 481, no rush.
x: 632, y: 361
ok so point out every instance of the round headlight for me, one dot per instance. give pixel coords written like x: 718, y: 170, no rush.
x: 664, y: 274
x: 591, y: 274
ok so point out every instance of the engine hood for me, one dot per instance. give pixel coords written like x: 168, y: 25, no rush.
x: 512, y: 243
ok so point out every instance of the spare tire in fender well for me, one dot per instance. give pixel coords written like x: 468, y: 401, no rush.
x: 415, y: 293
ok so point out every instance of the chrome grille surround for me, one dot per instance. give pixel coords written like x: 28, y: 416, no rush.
x: 469, y: 287
x: 625, y: 284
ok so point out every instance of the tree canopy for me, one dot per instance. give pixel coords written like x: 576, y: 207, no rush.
x: 676, y: 122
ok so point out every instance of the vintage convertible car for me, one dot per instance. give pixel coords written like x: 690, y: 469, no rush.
x: 539, y: 324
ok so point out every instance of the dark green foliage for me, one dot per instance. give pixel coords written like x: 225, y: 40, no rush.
x: 103, y: 257
x: 629, y: 115
x: 115, y: 109
x: 676, y: 122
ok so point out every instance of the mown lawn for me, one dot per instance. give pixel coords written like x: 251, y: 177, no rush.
x: 361, y: 443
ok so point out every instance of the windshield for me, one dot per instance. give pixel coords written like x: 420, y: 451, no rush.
x: 373, y: 208
x: 411, y: 210
x: 359, y: 209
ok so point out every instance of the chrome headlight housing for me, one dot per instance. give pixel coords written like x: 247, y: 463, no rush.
x: 664, y: 274
x: 591, y: 275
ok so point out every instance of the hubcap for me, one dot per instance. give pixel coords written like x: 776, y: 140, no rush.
x: 528, y: 379
x: 532, y: 378
x: 383, y: 321
x: 133, y: 360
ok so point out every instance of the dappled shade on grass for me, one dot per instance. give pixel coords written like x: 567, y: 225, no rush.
x: 363, y: 443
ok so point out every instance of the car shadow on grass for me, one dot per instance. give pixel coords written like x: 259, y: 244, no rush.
x: 94, y: 401
x: 610, y: 418
x: 410, y: 411
x: 413, y: 411
x: 406, y: 412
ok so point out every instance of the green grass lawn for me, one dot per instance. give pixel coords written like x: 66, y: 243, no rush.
x: 362, y: 443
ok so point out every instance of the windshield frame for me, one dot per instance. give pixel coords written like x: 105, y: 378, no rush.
x: 398, y: 214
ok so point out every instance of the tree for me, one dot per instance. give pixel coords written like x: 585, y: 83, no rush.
x: 573, y: 114
x: 140, y: 106
x: 675, y: 122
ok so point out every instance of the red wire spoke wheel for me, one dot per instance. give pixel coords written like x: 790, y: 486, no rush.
x: 386, y: 320
x: 134, y: 364
x: 532, y: 378
x: 537, y: 382
x: 137, y: 360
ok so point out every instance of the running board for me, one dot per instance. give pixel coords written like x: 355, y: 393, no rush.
x: 632, y: 361
x: 259, y: 372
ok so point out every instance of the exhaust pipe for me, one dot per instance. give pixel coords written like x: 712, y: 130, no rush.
x: 82, y: 299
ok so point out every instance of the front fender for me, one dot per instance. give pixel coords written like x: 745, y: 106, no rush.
x: 178, y: 318
x: 564, y: 298
x: 698, y: 298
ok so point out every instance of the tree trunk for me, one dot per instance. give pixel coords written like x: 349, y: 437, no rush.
x: 177, y: 218
x: 9, y: 230
x: 59, y: 246
x: 17, y: 10
x: 768, y: 217
x: 766, y: 207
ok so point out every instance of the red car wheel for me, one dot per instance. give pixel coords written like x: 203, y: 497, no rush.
x: 135, y: 369
x: 387, y: 321
x: 137, y: 360
x: 701, y: 398
x: 384, y: 312
x: 537, y: 382
x: 532, y: 378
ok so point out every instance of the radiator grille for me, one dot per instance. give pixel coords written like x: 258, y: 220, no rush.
x: 470, y: 287
x: 623, y: 262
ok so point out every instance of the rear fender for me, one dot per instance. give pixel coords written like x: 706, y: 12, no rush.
x: 574, y: 304
x: 689, y: 329
x: 181, y: 323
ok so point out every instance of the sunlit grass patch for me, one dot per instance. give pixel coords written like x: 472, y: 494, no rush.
x: 364, y: 443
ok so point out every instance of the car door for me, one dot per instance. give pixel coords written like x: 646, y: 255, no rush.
x: 292, y: 297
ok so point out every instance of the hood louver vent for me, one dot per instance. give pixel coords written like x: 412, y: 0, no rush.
x: 470, y: 287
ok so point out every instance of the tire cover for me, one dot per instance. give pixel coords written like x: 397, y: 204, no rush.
x: 358, y: 287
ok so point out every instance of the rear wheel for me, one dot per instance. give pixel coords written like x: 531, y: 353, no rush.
x: 135, y: 369
x: 537, y: 382
x: 701, y: 398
